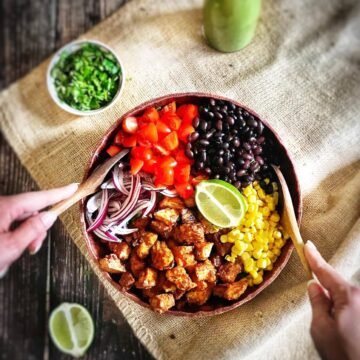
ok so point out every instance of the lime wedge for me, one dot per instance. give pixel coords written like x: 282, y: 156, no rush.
x: 220, y: 203
x: 71, y: 329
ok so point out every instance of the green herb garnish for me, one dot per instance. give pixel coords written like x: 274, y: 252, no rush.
x: 87, y: 79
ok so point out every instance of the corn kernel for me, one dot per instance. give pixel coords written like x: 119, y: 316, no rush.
x: 266, y: 211
x: 277, y: 234
x: 279, y: 243
x: 275, y: 217
x: 247, y: 191
x: 275, y: 186
x: 267, y: 181
x: 244, y: 256
x: 252, y: 199
x: 269, y: 267
x: 257, y: 254
x: 254, y: 274
x: 252, y: 208
x: 276, y: 251
x: 224, y: 238
x: 261, y: 194
x: 261, y: 263
x: 248, y: 237
x: 258, y: 280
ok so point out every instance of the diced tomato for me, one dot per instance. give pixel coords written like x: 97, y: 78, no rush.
x: 142, y: 153
x: 150, y: 165
x: 198, y: 179
x: 164, y: 176
x: 167, y: 161
x: 169, y: 108
x: 119, y: 138
x: 180, y: 157
x: 187, y: 113
x: 170, y: 142
x: 129, y: 141
x: 162, y: 128
x: 185, y: 131
x: 130, y: 124
x: 136, y: 165
x: 148, y: 132
x: 161, y: 150
x: 112, y: 150
x: 182, y: 173
x: 151, y: 114
x: 172, y: 120
x: 185, y: 190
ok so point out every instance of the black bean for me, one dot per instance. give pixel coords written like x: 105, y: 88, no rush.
x: 226, y: 169
x: 203, y: 125
x: 218, y: 134
x: 245, y: 113
x: 227, y: 155
x: 228, y: 138
x: 216, y: 176
x: 225, y: 145
x: 246, y: 164
x: 236, y: 142
x: 246, y: 146
x: 230, y: 120
x: 194, y: 136
x: 221, y: 152
x: 232, y: 106
x: 204, y: 110
x: 255, y: 167
x: 258, y: 150
x: 252, y: 122
x: 247, y: 156
x: 207, y: 171
x: 226, y: 127
x: 196, y: 122
x: 202, y: 155
x: 219, y: 161
x: 210, y: 114
x: 195, y: 151
x: 260, y: 160
x: 260, y: 128
x: 260, y: 140
x: 245, y: 184
x: 224, y: 108
x: 199, y: 165
x: 241, y: 173
x: 246, y: 129
x: 226, y: 178
x: 219, y: 125
x: 239, y: 152
x: 251, y: 177
x: 237, y: 184
x: 234, y: 131
x: 252, y: 140
x: 218, y: 115
x: 189, y: 153
x: 212, y: 102
x: 204, y: 142
x: 242, y: 123
x: 269, y: 189
x: 233, y: 150
x: 233, y: 176
x: 189, y: 146
x: 240, y: 161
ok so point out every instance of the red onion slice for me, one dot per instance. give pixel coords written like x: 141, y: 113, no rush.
x: 102, y: 211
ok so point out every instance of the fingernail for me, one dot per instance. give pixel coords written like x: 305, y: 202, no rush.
x: 37, y: 248
x: 3, y: 272
x: 313, y: 288
x: 311, y: 244
x: 48, y: 218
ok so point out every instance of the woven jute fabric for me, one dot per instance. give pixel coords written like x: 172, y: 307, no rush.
x: 301, y: 73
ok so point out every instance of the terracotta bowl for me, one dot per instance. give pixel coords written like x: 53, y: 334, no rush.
x: 215, y: 306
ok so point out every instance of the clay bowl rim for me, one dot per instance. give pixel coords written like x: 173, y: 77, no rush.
x: 287, y: 249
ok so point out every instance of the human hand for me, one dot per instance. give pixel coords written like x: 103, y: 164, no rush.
x: 32, y: 231
x: 335, y: 326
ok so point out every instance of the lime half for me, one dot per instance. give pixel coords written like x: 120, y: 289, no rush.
x: 71, y: 329
x: 220, y: 203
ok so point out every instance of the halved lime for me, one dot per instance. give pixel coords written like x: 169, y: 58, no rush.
x: 220, y: 203
x: 71, y: 329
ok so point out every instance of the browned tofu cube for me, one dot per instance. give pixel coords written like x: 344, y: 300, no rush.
x: 216, y: 260
x: 228, y: 272
x: 161, y: 228
x: 112, y: 264
x: 149, y: 293
x: 190, y: 233
x: 136, y: 264
x: 180, y: 278
x: 162, y: 302
x: 203, y: 250
x: 178, y: 294
x: 171, y: 243
x: 168, y: 286
x: 205, y: 271
x: 198, y: 297
x: 184, y: 256
x: 209, y: 228
x: 148, y: 239
x: 134, y: 238
x: 201, y: 285
x: 172, y: 203
x: 122, y: 250
x: 127, y: 280
x: 161, y: 256
x: 190, y: 202
x: 187, y: 216
x: 140, y: 223
x: 167, y: 216
x: 147, y: 279
x: 231, y: 291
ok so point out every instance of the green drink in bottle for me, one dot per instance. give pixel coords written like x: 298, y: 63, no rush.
x: 230, y: 25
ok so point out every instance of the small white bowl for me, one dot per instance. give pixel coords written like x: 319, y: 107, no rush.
x: 70, y: 48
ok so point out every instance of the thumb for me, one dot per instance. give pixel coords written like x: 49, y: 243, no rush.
x: 320, y: 303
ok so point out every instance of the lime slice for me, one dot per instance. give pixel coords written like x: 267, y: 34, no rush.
x: 71, y: 329
x: 220, y: 203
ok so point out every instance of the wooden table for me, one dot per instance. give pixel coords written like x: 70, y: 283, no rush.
x: 30, y: 30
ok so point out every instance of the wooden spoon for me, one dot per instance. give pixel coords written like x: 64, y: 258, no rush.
x: 90, y: 185
x: 289, y: 223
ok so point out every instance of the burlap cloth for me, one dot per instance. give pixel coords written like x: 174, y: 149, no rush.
x: 301, y: 73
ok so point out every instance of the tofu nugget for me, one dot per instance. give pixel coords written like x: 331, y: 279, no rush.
x: 122, y: 250
x: 140, y: 223
x: 162, y: 302
x: 205, y: 271
x: 148, y: 239
x: 112, y: 264
x: 231, y: 291
x: 190, y: 233
x: 172, y: 203
x: 162, y: 257
x: 136, y: 264
x: 147, y: 279
x: 167, y: 216
x: 127, y: 280
x: 184, y: 256
x: 198, y: 297
x: 187, y: 216
x: 161, y: 228
x: 228, y: 272
x: 180, y: 278
x: 203, y: 250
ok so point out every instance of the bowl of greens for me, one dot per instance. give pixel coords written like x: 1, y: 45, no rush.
x: 85, y: 77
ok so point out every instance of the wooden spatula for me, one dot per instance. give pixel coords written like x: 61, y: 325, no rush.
x: 90, y: 185
x: 289, y: 223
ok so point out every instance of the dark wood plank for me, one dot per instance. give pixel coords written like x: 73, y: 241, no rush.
x: 30, y: 30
